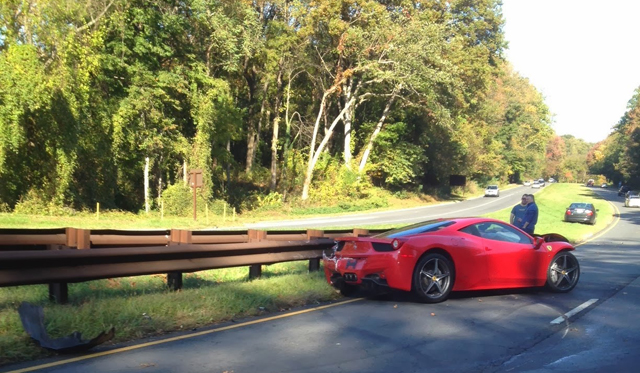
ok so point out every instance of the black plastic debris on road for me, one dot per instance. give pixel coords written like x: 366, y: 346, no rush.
x: 32, y: 318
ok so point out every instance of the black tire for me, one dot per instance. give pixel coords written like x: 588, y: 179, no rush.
x: 563, y: 272
x: 433, y: 278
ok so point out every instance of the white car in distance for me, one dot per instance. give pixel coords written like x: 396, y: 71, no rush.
x: 632, y: 200
x: 492, y: 191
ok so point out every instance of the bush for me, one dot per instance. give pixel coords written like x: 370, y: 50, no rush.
x: 34, y: 204
x: 178, y: 200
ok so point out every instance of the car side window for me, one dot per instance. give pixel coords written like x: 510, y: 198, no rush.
x: 502, y: 232
x: 472, y: 230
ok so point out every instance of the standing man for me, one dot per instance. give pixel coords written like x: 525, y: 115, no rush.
x: 517, y: 212
x: 530, y: 215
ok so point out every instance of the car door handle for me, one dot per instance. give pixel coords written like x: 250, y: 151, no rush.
x: 487, y: 248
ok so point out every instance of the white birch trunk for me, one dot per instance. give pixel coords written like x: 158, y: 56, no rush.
x: 315, y: 154
x: 348, y: 115
x: 376, y: 132
x: 185, y: 178
x: 146, y: 184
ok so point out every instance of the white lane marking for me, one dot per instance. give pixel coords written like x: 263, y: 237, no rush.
x: 567, y: 315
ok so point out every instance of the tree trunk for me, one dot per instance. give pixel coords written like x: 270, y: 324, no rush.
x: 146, y: 184
x: 159, y: 175
x: 228, y: 165
x: 274, y: 138
x: 376, y: 132
x: 348, y: 117
x: 315, y: 154
x: 253, y: 134
x: 184, y: 172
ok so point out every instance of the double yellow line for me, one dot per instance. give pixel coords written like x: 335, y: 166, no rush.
x: 181, y: 337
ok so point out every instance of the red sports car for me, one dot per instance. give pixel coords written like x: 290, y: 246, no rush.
x: 436, y: 257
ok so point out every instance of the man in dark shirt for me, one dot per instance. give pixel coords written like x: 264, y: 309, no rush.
x: 517, y: 212
x: 530, y: 215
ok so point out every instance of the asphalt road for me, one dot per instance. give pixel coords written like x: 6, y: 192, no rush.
x: 496, y: 331
x: 472, y: 207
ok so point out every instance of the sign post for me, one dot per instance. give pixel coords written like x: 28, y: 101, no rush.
x: 195, y: 181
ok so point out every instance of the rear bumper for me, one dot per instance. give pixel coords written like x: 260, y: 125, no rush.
x: 373, y: 271
x: 578, y: 219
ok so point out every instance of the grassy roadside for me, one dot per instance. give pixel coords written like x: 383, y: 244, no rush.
x: 552, y: 202
x: 142, y: 306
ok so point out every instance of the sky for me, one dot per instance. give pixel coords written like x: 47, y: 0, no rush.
x: 582, y: 55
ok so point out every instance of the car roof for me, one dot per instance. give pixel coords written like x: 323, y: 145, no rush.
x: 440, y: 225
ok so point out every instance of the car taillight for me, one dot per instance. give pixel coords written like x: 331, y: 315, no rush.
x: 589, y: 212
x: 568, y: 212
x: 396, y: 244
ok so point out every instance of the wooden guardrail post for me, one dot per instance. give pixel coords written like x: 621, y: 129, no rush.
x: 83, y: 239
x: 359, y: 232
x: 178, y: 237
x: 314, y: 264
x: 76, y: 239
x: 255, y: 270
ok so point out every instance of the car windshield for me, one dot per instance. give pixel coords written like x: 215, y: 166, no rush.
x: 424, y: 227
x: 580, y: 206
x: 492, y: 187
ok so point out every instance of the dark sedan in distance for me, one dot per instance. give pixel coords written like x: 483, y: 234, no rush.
x: 581, y: 212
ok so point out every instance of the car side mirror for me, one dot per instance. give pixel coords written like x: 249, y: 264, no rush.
x: 538, y: 241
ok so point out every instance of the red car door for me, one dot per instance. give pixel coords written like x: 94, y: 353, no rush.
x: 511, y: 259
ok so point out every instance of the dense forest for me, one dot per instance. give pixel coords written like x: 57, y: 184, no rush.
x: 618, y: 156
x: 115, y: 101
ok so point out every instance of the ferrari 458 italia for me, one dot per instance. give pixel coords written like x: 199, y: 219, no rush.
x: 436, y: 257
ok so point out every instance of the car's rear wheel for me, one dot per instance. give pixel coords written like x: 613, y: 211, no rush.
x: 433, y: 278
x: 563, y: 273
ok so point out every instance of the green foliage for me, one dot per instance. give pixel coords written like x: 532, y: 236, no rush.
x: 89, y: 91
x: 35, y: 203
x: 334, y: 181
x: 618, y: 157
x: 178, y: 200
x: 395, y: 161
x: 32, y: 204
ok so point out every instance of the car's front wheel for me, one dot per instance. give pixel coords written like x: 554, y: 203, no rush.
x: 433, y: 278
x: 563, y: 273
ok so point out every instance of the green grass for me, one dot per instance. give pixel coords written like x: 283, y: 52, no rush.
x: 552, y: 202
x: 143, y: 306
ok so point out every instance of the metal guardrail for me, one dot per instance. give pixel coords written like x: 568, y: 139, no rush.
x: 61, y: 256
